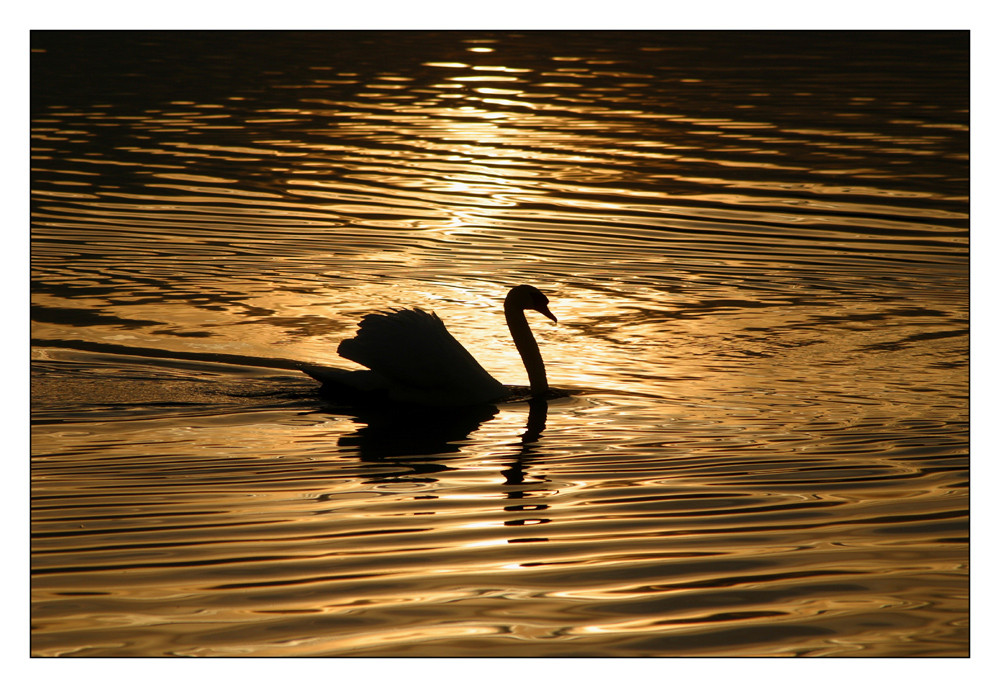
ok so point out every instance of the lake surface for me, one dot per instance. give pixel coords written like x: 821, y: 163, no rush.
x: 756, y: 245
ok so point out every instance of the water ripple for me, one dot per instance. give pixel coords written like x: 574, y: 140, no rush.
x: 757, y: 251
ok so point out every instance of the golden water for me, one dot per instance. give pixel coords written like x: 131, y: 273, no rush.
x: 757, y: 249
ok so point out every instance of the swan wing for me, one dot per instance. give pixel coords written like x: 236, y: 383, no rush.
x: 416, y: 354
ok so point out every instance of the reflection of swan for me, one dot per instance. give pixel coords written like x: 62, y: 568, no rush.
x: 393, y: 431
x: 412, y: 358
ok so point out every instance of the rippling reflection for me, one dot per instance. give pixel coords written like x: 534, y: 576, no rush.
x: 757, y: 245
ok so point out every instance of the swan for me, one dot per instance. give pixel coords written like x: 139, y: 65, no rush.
x: 412, y: 358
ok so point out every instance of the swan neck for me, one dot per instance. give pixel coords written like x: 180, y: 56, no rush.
x: 526, y: 345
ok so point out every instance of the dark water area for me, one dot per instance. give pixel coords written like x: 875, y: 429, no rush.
x: 756, y: 244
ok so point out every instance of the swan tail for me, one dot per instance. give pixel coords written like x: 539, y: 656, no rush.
x: 341, y: 381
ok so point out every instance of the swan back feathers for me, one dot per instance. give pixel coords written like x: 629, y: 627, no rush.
x: 419, y: 357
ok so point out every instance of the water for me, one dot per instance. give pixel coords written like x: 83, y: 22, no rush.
x: 757, y: 248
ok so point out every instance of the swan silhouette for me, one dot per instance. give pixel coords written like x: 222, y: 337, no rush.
x: 412, y: 358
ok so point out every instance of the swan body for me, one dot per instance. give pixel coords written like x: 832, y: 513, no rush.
x: 412, y: 358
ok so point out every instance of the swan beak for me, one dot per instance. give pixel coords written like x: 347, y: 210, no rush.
x: 544, y: 310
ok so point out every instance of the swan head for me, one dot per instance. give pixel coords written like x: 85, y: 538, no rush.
x: 527, y: 297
